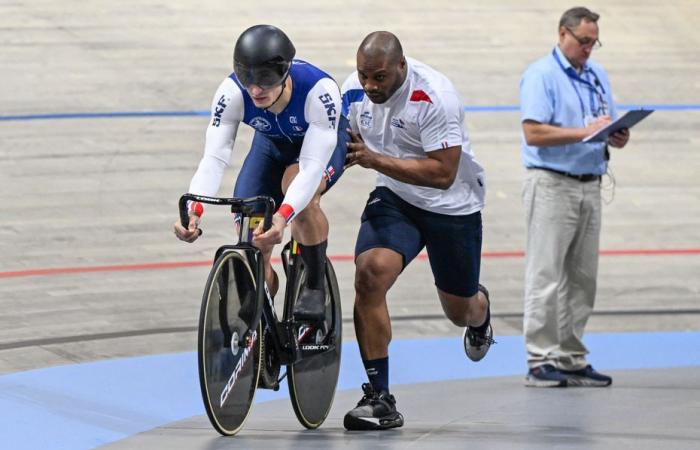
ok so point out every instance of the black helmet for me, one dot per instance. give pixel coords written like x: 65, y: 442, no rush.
x: 262, y: 56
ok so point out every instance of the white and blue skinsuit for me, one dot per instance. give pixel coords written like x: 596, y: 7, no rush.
x: 310, y: 130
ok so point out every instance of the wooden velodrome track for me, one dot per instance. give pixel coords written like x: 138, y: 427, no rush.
x: 101, y: 128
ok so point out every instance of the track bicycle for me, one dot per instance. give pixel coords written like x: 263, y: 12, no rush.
x: 242, y: 344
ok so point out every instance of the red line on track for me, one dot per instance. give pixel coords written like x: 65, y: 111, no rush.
x: 344, y: 258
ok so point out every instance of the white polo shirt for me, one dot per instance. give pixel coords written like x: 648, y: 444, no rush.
x: 425, y: 114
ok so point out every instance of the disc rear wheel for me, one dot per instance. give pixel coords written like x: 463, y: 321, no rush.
x: 312, y: 380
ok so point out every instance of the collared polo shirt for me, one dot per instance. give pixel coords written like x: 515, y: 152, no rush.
x: 552, y: 93
x: 424, y: 115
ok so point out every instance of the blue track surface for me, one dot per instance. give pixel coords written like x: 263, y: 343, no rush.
x: 473, y: 108
x: 86, y: 405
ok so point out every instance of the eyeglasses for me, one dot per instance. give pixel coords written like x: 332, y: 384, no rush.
x: 586, y: 42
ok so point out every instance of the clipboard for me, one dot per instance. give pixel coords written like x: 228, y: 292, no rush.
x: 631, y: 118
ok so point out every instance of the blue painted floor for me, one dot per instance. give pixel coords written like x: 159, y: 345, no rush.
x: 87, y: 405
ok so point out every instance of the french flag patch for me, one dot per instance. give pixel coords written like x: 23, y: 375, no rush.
x: 420, y: 96
x: 330, y: 172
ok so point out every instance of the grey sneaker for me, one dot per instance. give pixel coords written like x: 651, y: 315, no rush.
x: 546, y: 375
x: 587, y: 377
x: 375, y: 411
x: 477, y: 342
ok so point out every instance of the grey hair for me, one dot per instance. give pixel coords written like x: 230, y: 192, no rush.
x: 573, y: 17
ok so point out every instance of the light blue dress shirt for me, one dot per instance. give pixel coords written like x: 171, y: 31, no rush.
x: 551, y: 92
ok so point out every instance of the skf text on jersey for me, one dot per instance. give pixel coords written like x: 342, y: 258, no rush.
x: 328, y: 102
x: 218, y: 111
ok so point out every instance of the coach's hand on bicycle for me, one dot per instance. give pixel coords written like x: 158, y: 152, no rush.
x: 358, y: 153
x: 192, y: 232
x: 265, y: 240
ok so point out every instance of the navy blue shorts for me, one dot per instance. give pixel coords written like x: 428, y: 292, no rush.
x: 453, y: 242
x: 263, y: 168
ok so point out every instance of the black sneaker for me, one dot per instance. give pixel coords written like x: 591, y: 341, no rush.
x: 587, y: 377
x: 546, y: 375
x: 477, y: 342
x: 311, y: 305
x: 373, y: 412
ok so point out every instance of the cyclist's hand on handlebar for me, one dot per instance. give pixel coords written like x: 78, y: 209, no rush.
x: 267, y: 239
x: 189, y: 234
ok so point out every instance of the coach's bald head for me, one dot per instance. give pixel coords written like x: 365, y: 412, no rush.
x: 382, y: 44
x: 381, y: 65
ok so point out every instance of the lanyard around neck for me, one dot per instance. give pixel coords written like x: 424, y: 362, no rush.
x: 573, y: 76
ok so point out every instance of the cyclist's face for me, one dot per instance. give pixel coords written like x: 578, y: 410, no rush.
x: 262, y: 97
x: 379, y: 77
x: 570, y: 42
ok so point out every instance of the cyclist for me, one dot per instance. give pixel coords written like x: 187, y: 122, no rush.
x: 297, y: 153
x: 407, y: 123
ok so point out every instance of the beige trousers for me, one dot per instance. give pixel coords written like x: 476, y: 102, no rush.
x: 563, y: 233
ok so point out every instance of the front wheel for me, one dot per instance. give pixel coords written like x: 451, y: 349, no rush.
x: 313, y: 379
x: 228, y: 350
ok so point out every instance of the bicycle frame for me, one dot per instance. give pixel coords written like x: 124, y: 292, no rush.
x: 280, y: 331
x: 313, y: 381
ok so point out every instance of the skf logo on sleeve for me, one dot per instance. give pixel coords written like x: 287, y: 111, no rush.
x: 218, y: 111
x: 328, y: 102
